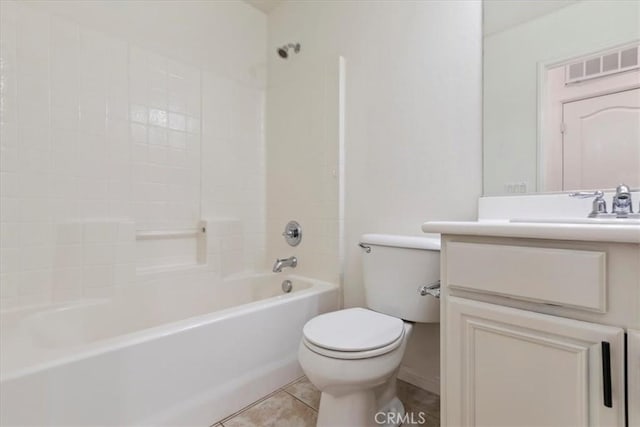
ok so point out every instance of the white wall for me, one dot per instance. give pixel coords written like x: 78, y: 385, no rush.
x: 412, y: 121
x: 511, y: 60
x: 109, y: 113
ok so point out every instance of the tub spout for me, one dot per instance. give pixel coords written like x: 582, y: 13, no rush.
x: 284, y: 262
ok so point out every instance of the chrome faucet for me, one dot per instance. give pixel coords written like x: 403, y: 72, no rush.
x: 599, y: 206
x: 621, y: 205
x: 622, y: 201
x: 284, y: 262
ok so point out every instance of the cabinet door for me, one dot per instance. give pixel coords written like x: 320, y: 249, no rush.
x: 510, y: 367
x: 633, y: 363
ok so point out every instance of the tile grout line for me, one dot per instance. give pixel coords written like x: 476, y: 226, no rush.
x: 246, y: 408
x: 300, y: 400
x: 251, y: 405
x: 297, y: 380
x: 290, y: 394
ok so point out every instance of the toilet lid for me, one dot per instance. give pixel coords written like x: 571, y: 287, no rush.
x: 353, y: 329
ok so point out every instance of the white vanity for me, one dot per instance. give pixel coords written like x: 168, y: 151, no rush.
x: 540, y: 310
x: 540, y: 323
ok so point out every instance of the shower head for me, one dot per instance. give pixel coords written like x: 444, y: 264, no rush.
x: 284, y: 50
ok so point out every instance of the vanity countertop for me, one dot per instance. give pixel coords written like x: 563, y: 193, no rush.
x: 621, y: 233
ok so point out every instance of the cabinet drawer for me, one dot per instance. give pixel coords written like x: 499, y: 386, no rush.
x: 566, y: 277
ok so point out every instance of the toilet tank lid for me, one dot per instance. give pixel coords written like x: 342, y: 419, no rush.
x: 398, y: 241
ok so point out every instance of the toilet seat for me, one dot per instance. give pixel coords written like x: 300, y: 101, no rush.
x: 354, y: 333
x: 352, y: 355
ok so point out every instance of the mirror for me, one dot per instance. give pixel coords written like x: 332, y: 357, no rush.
x: 561, y: 96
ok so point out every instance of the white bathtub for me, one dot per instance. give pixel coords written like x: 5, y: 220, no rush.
x: 161, y: 354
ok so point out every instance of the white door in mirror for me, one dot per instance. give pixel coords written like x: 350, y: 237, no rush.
x: 601, y: 141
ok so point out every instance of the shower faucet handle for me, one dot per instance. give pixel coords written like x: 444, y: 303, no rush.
x: 292, y: 233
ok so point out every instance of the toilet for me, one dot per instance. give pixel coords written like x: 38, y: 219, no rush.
x: 353, y: 355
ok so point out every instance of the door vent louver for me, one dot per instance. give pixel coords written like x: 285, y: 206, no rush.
x: 604, y: 64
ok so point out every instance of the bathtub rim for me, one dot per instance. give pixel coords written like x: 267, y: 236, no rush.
x: 100, y: 347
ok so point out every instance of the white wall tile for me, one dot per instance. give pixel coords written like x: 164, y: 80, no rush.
x: 10, y: 184
x: 9, y: 285
x: 36, y: 233
x: 69, y: 233
x: 67, y: 284
x: 98, y: 254
x: 35, y: 210
x: 33, y: 30
x: 67, y: 257
x: 37, y: 257
x: 99, y: 276
x: 100, y: 232
x: 124, y: 274
x: 36, y: 282
x: 11, y: 261
x: 99, y: 127
x: 10, y: 236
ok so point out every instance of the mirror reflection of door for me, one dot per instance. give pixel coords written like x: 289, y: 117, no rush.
x: 601, y: 141
x: 590, y: 134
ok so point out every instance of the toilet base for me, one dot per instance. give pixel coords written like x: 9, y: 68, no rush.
x: 394, y: 412
x: 358, y: 410
x: 349, y: 410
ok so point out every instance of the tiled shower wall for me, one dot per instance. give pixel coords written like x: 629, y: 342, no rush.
x: 234, y: 188
x: 101, y: 137
x: 303, y: 121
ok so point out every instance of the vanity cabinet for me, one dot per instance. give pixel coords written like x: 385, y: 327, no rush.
x: 537, y: 332
x: 633, y: 376
x: 513, y: 367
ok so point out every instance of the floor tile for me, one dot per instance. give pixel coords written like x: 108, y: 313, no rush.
x: 279, y: 410
x: 431, y: 422
x: 418, y: 400
x: 305, y: 391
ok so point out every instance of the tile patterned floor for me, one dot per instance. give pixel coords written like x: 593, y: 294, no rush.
x: 296, y: 405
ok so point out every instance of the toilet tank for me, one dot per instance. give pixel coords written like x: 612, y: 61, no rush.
x: 393, y: 272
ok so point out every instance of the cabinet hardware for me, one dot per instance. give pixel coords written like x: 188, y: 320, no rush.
x: 606, y: 374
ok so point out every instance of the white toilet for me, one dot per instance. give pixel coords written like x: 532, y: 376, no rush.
x: 352, y: 356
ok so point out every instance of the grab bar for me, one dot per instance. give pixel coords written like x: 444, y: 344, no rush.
x: 169, y: 234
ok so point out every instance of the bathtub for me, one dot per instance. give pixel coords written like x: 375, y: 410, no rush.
x: 160, y: 354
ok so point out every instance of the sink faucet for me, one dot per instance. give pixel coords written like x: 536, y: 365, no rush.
x: 284, y: 262
x: 622, y: 201
x: 621, y: 208
x: 599, y: 205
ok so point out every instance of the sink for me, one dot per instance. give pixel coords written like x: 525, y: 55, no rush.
x: 597, y: 221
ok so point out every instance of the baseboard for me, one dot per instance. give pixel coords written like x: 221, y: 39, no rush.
x: 410, y: 376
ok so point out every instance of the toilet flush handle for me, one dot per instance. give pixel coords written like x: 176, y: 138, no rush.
x: 366, y: 248
x: 432, y: 289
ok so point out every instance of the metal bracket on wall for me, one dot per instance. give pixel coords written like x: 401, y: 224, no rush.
x: 366, y: 248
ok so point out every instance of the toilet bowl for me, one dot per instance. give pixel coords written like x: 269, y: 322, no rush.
x: 356, y: 381
x: 353, y: 355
